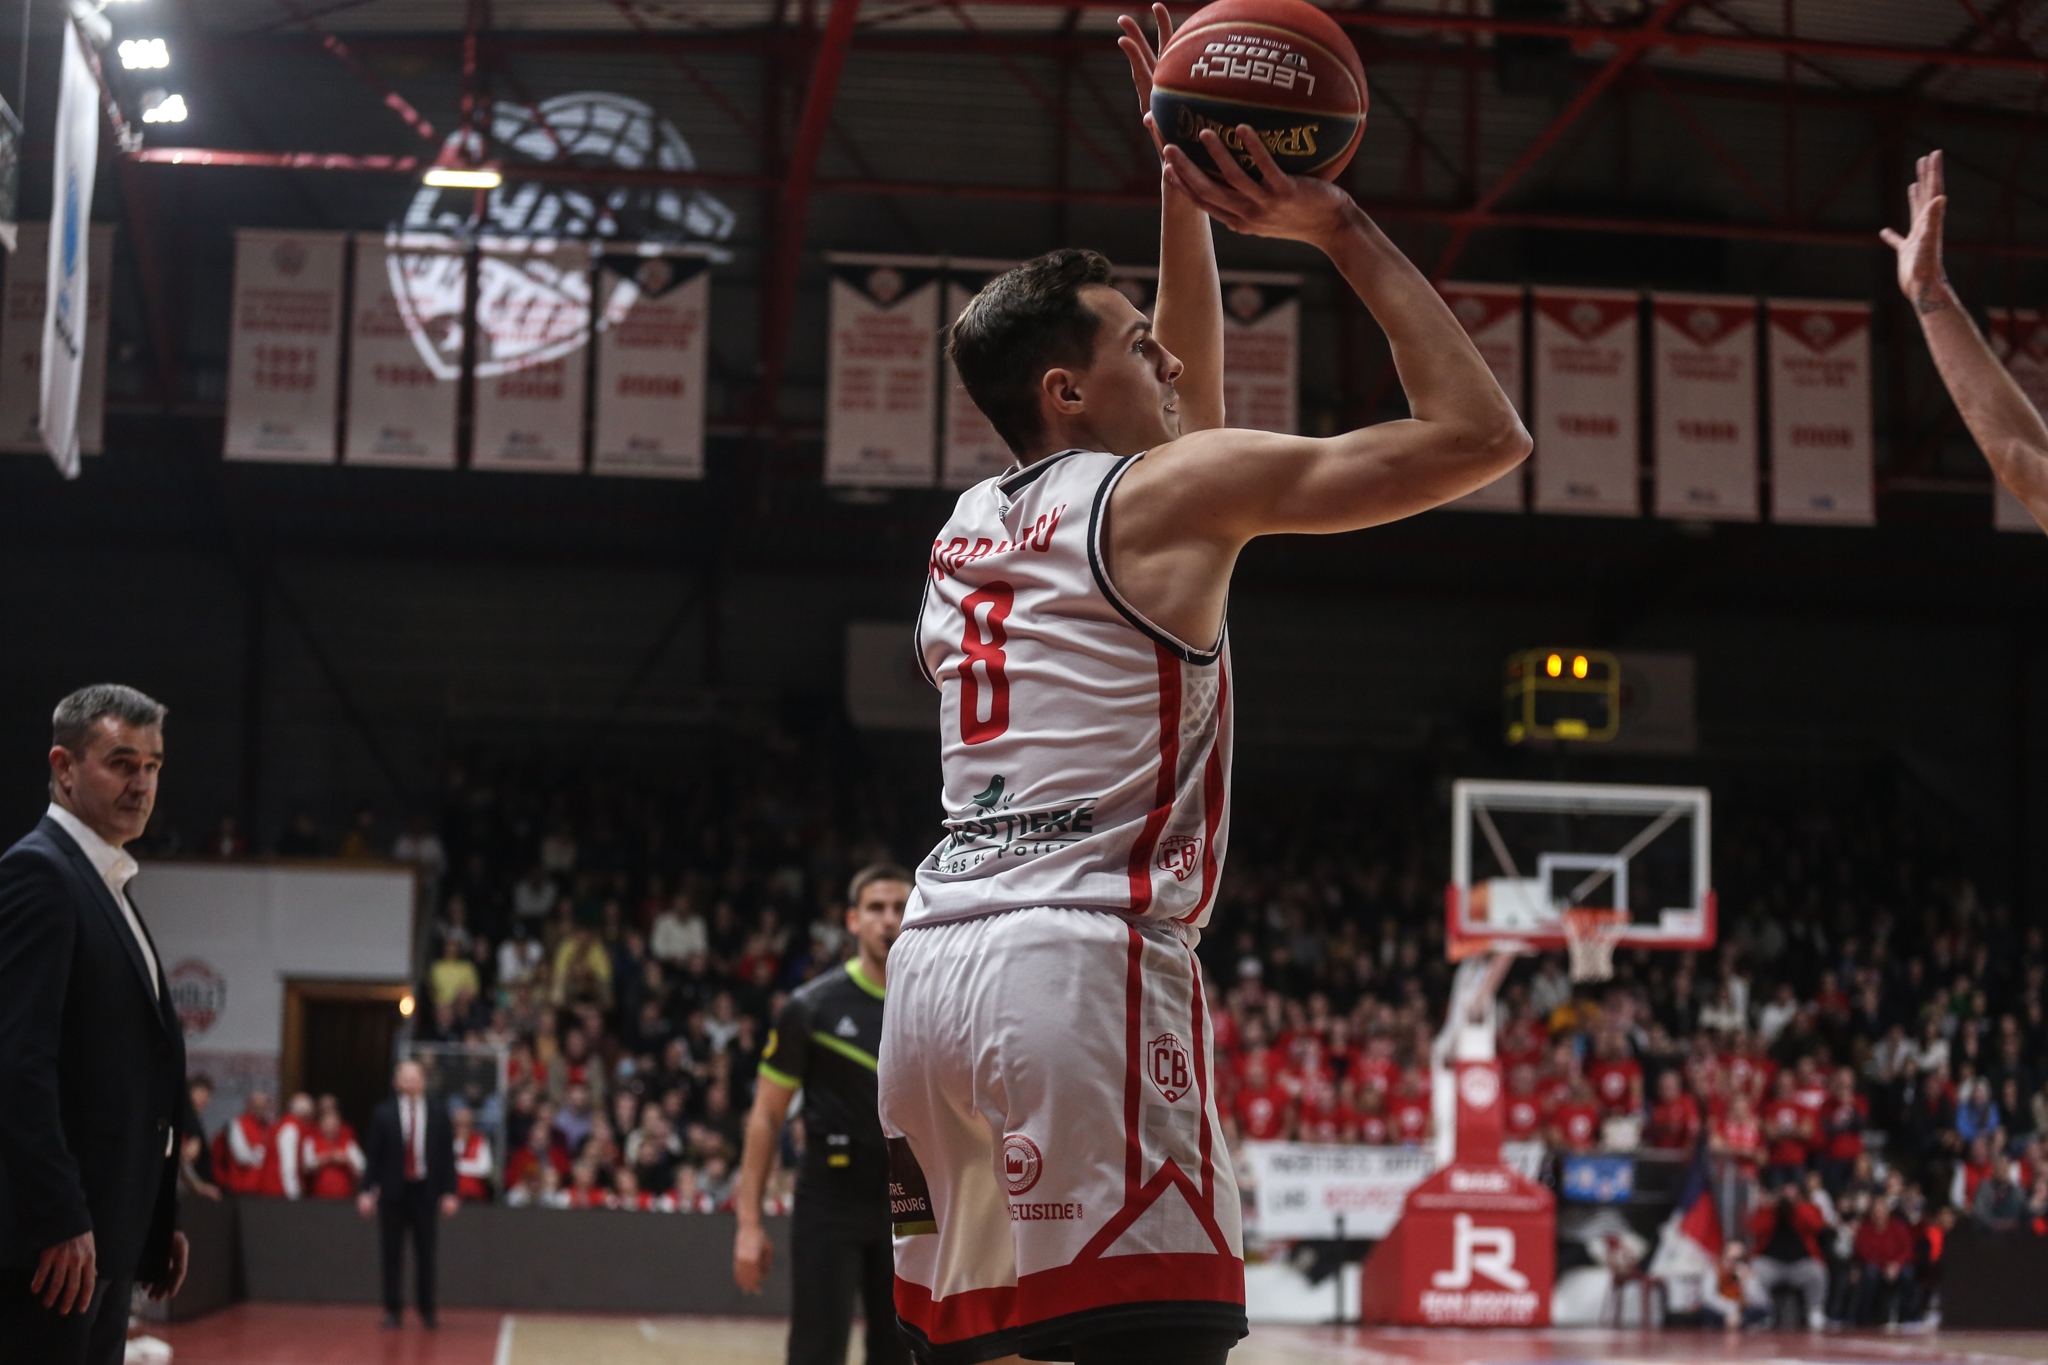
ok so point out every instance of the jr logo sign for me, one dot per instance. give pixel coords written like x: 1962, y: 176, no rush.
x: 1489, y: 1252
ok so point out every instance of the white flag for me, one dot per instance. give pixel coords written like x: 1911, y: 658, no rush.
x: 64, y: 316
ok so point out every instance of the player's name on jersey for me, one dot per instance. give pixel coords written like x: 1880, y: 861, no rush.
x: 949, y: 557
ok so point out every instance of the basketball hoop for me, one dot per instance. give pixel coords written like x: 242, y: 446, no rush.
x: 1592, y: 935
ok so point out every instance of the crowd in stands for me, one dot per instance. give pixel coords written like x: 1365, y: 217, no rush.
x: 1861, y: 1057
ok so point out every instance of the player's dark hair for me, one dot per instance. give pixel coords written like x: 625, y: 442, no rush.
x: 1024, y: 322
x: 876, y: 872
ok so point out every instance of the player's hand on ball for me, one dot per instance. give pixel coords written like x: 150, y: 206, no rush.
x: 1297, y: 207
x: 1921, y: 275
x: 1140, y: 52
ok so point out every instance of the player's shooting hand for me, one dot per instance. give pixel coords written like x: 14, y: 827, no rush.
x: 1922, y: 278
x: 1139, y: 51
x: 1299, y: 208
x: 752, y: 1254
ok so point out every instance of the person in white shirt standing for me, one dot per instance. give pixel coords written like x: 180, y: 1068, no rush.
x: 92, y: 1058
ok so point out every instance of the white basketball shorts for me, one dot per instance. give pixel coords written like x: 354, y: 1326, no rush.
x: 1057, y: 1169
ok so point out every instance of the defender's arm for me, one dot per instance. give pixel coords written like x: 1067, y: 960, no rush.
x: 1188, y: 318
x: 2006, y: 427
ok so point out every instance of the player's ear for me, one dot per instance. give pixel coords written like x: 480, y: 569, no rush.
x: 853, y: 919
x: 1062, y: 389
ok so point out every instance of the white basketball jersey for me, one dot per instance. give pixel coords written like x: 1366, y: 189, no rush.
x: 1086, y: 751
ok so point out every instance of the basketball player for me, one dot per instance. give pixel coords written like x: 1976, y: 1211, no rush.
x: 2007, y: 428
x: 1059, y: 1184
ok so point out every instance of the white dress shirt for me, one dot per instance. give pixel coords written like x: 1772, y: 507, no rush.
x: 116, y: 869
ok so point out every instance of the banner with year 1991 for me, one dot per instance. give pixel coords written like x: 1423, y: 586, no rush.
x: 970, y: 451
x: 1821, y: 446
x: 1492, y: 316
x: 1705, y: 398
x: 2020, y: 338
x: 881, y: 385
x: 1588, y: 438
x: 284, y: 349
x: 405, y: 350
x: 652, y: 352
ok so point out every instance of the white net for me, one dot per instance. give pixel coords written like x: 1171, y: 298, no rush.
x: 1591, y: 935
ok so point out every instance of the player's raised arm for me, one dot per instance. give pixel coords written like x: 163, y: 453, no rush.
x: 2006, y: 427
x: 1188, y: 319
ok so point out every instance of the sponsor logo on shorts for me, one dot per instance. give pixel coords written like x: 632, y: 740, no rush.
x: 1166, y: 1062
x: 1180, y: 856
x: 910, y: 1198
x: 1044, y: 1213
x: 1023, y: 1163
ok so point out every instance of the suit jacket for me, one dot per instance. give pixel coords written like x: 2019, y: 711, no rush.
x: 384, y: 1154
x: 92, y: 1068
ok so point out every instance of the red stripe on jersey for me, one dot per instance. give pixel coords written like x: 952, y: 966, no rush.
x: 1134, y: 1002
x: 1169, y: 771
x: 1213, y: 799
x: 1201, y: 1043
x: 1167, y: 1277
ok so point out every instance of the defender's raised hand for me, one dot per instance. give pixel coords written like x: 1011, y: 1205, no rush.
x: 1921, y: 276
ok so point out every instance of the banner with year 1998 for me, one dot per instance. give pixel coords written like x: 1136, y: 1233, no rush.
x: 1588, y: 441
x: 1492, y: 315
x: 2020, y: 337
x: 1705, y: 398
x: 1821, y: 446
x: 881, y: 385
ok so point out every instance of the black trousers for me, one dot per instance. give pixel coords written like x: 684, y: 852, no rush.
x: 833, y: 1261
x: 416, y: 1209
x: 31, y: 1334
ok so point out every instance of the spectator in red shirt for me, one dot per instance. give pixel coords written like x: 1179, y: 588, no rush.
x: 1522, y: 1119
x: 1409, y: 1116
x: 473, y: 1164
x: 330, y: 1163
x: 543, y: 1149
x: 1575, y: 1123
x: 1522, y: 1041
x: 1372, y: 1119
x: 1787, y: 1231
x: 244, y: 1146
x: 1842, y: 1122
x: 1749, y: 1070
x: 584, y: 1192
x: 1264, y: 1108
x: 1616, y: 1076
x: 1884, y: 1267
x: 1674, y: 1118
x: 1379, y: 1070
x: 1737, y: 1136
x: 1787, y: 1132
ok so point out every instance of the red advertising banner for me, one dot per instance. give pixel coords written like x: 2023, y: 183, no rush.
x: 1492, y: 315
x: 1476, y: 1247
x: 2020, y: 337
x: 284, y: 352
x: 1705, y: 405
x: 1588, y: 438
x: 1821, y: 444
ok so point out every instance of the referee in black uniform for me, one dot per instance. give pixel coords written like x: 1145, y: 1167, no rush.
x: 825, y: 1043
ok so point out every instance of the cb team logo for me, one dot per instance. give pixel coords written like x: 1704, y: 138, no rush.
x: 1023, y: 1163
x: 1180, y: 856
x: 1166, y: 1062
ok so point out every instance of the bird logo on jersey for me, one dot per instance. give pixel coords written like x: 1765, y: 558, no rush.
x: 991, y: 796
x: 1180, y: 856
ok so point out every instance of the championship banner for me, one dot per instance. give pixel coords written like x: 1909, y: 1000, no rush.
x: 1491, y: 315
x: 405, y: 351
x: 75, y: 155
x: 971, y: 451
x: 2019, y: 336
x: 532, y: 335
x: 21, y: 342
x: 1822, y: 452
x: 652, y: 350
x: 882, y: 400
x: 1262, y: 351
x: 1705, y: 400
x: 284, y: 349
x: 1303, y: 1188
x: 1588, y: 438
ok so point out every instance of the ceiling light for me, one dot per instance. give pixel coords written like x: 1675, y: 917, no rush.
x: 145, y: 54
x: 463, y: 178
x: 158, y: 107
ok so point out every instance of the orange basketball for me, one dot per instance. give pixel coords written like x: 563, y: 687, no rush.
x: 1282, y: 66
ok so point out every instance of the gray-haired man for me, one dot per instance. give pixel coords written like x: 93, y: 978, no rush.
x: 92, y: 1061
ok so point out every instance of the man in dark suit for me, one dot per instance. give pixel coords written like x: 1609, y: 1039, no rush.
x: 92, y: 1059
x: 409, y: 1183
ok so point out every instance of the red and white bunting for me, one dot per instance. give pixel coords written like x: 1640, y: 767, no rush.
x: 652, y: 349
x: 882, y: 358
x: 1492, y: 315
x: 21, y: 342
x: 1262, y: 352
x: 284, y: 349
x: 972, y: 450
x: 1822, y: 450
x: 1705, y: 404
x: 2020, y: 338
x: 405, y: 351
x: 532, y: 339
x: 1588, y: 439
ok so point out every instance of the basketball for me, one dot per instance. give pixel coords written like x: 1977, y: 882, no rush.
x: 1282, y: 66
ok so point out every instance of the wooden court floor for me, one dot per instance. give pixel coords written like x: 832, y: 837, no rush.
x: 285, y: 1334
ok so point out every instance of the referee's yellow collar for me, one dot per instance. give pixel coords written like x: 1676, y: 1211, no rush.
x: 860, y: 979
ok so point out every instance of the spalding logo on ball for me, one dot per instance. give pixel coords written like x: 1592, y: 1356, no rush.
x: 1282, y: 66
